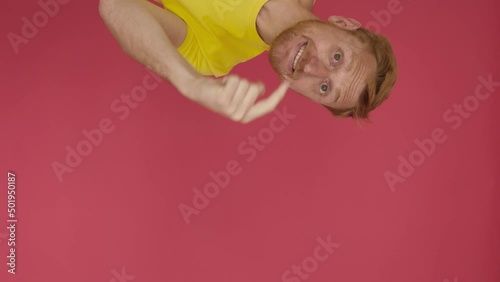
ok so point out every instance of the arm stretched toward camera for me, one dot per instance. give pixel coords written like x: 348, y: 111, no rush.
x: 151, y: 36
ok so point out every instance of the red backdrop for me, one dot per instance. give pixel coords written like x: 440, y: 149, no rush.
x: 107, y: 162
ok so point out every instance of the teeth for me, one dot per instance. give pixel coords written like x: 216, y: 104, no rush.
x: 299, y: 54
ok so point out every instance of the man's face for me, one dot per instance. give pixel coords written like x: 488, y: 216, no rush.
x: 323, y: 62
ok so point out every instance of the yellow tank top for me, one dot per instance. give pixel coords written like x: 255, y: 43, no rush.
x: 220, y: 33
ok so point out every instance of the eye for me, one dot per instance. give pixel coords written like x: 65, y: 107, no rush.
x: 323, y: 89
x: 337, y: 57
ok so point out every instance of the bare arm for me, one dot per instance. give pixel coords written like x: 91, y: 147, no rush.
x: 151, y: 36
x: 145, y: 32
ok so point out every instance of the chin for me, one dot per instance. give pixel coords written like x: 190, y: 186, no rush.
x: 279, y: 51
x: 275, y: 61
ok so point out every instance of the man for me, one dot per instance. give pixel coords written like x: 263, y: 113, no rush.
x: 336, y: 63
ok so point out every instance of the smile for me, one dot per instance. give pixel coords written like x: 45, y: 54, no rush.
x: 298, y: 54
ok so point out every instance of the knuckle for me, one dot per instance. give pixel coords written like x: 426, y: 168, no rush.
x: 221, y: 100
x: 245, y: 83
x: 229, y: 110
x: 230, y: 79
x: 259, y: 89
x: 235, y: 118
x: 253, y: 86
x: 239, y: 116
x: 262, y: 89
x: 244, y: 121
x: 226, y: 112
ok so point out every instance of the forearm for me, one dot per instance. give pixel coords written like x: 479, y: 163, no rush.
x: 142, y: 37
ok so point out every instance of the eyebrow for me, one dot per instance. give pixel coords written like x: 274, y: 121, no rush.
x: 351, y: 64
x: 347, y: 69
x: 357, y: 72
x: 338, y: 93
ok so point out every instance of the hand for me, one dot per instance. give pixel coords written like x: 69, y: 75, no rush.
x: 235, y: 97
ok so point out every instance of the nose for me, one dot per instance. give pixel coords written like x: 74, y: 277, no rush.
x: 314, y: 67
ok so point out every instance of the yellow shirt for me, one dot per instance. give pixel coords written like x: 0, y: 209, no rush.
x: 220, y: 33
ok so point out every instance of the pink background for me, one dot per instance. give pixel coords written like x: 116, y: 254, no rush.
x: 118, y: 210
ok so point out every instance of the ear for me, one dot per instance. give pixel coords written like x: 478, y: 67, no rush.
x: 344, y: 23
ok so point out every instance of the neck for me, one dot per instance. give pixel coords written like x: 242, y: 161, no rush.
x: 278, y: 15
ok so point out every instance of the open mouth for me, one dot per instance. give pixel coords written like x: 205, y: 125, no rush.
x: 297, y: 56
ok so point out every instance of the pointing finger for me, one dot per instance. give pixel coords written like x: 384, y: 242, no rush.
x: 268, y: 105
